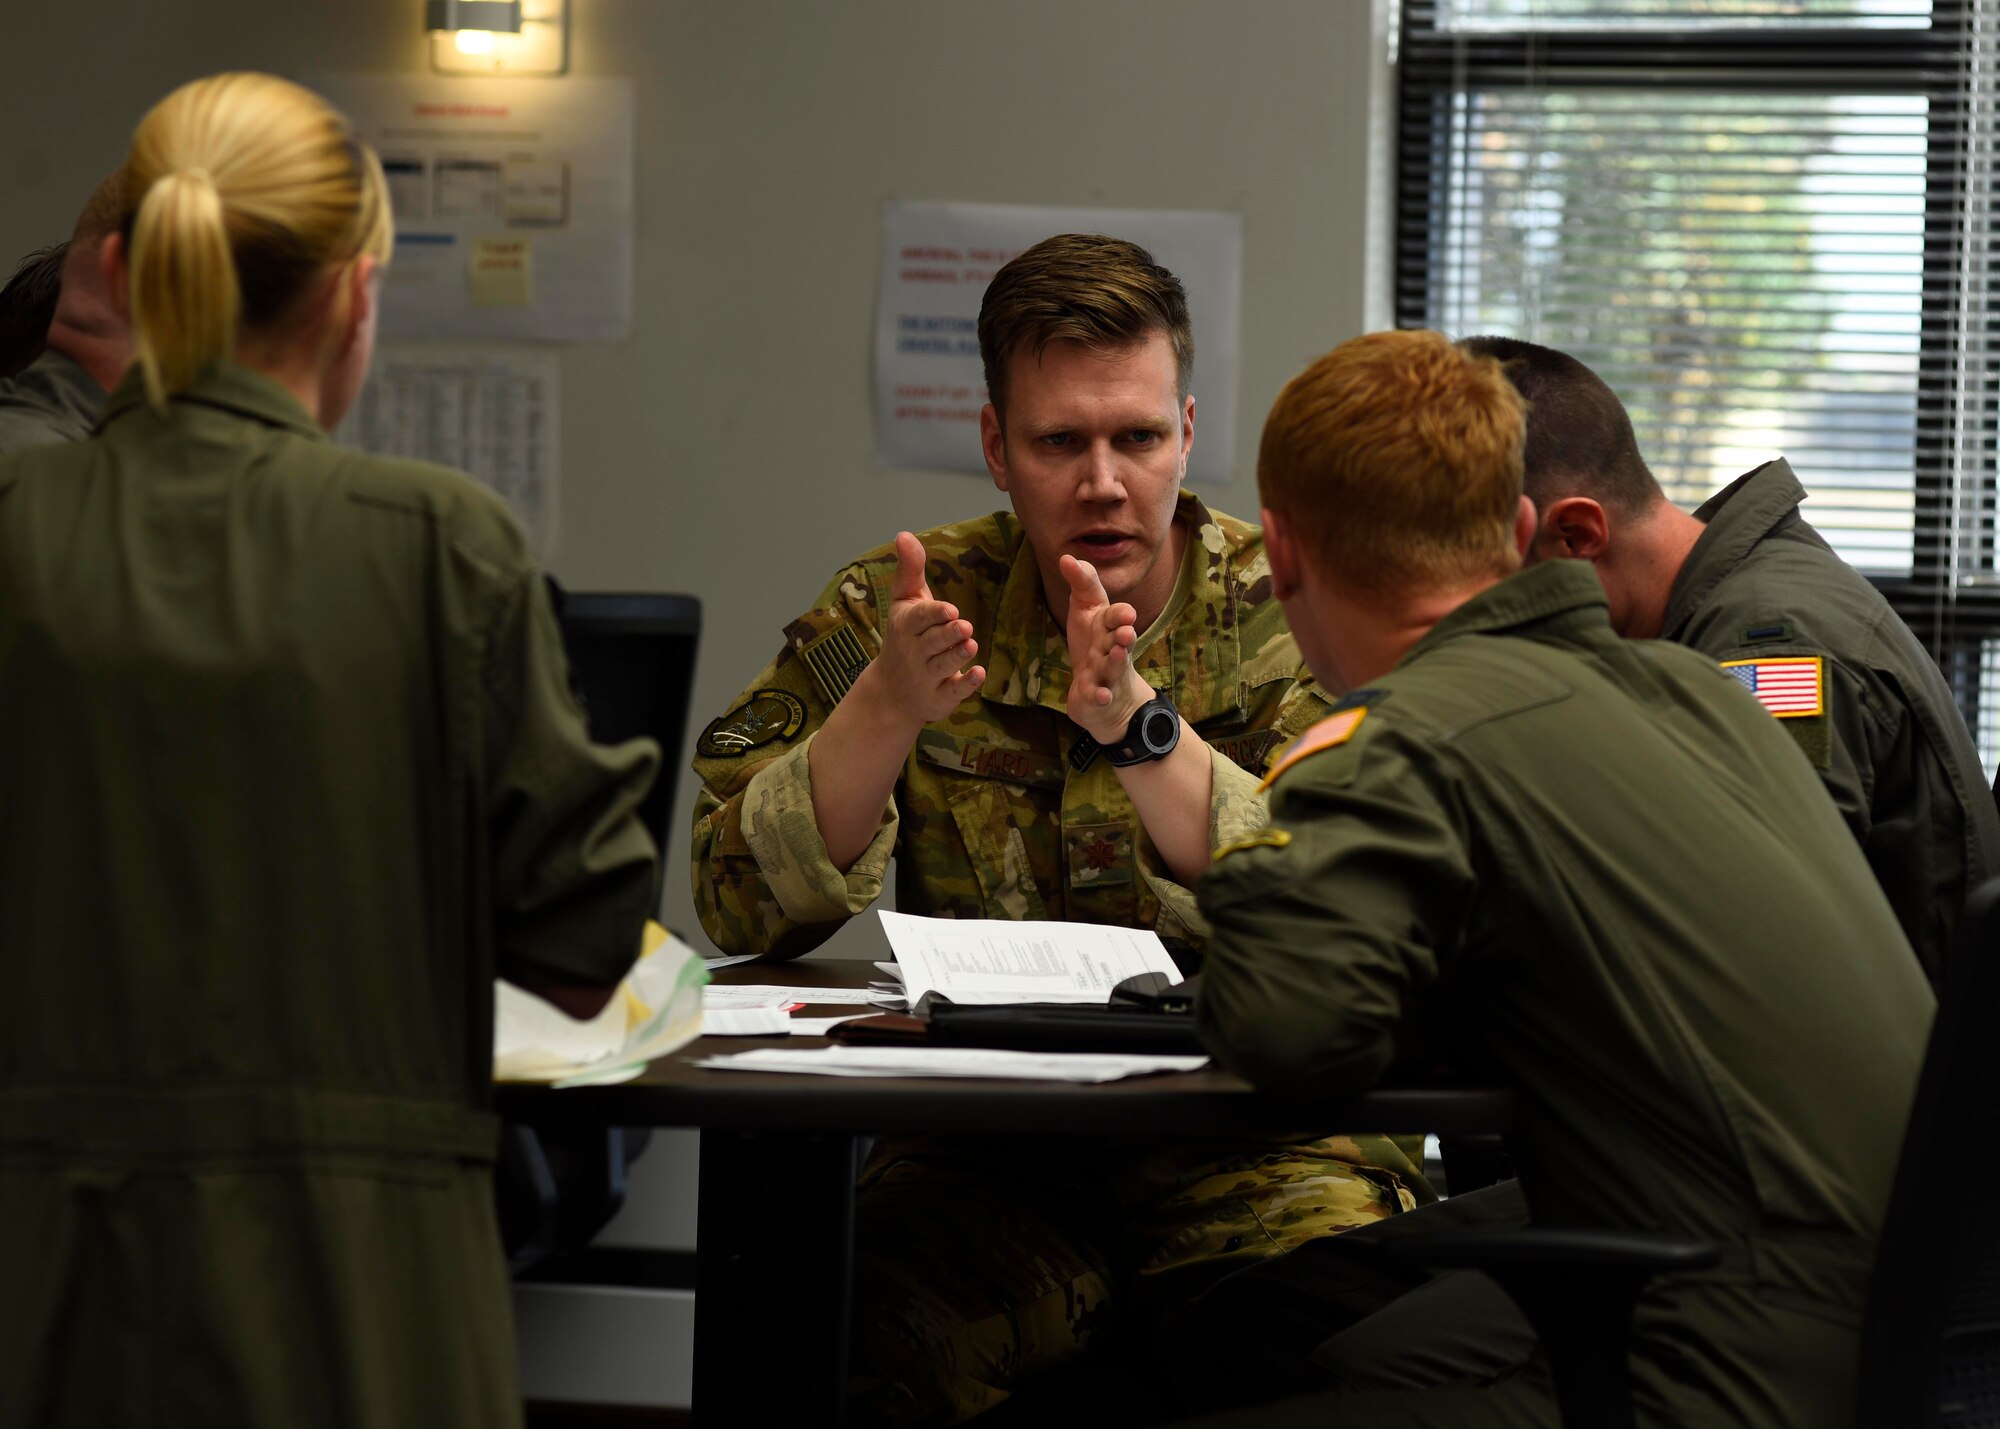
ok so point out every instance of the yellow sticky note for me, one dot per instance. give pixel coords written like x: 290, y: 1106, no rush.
x: 502, y: 273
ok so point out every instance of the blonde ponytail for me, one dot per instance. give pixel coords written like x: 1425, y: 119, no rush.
x: 185, y: 298
x: 243, y: 191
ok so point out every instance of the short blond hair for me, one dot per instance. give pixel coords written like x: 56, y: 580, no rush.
x: 1397, y: 460
x: 240, y: 190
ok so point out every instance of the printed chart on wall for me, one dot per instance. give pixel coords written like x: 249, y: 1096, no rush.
x: 513, y: 204
x: 488, y: 411
x: 937, y: 259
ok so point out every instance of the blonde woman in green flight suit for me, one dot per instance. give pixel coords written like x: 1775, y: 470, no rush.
x: 288, y: 772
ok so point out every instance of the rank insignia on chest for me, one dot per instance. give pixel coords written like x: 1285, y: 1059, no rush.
x: 765, y: 716
x: 1790, y: 687
x: 836, y: 660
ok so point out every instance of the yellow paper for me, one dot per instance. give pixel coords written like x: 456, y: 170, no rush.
x: 657, y: 1008
x: 503, y: 272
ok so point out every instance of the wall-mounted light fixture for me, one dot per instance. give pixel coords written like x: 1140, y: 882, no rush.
x: 498, y: 37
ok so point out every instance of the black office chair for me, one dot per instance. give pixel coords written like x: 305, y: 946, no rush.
x: 1930, y: 1348
x: 631, y: 660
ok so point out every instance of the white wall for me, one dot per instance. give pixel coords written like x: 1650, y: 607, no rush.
x: 725, y: 450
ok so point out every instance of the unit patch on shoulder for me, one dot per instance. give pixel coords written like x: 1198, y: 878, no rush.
x: 1263, y: 838
x: 1790, y: 687
x: 836, y: 660
x: 1329, y: 733
x: 767, y: 715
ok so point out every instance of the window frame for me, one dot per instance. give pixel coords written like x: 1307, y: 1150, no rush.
x: 1951, y: 597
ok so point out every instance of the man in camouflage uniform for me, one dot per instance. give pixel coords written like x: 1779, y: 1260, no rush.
x: 981, y: 1264
x: 1747, y: 581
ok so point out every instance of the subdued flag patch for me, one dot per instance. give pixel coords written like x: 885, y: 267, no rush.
x: 1788, y: 686
x: 836, y: 660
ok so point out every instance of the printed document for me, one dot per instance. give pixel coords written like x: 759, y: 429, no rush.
x: 991, y: 960
x: 953, y: 1062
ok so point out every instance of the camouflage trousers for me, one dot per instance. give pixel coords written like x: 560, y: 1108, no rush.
x: 980, y: 1265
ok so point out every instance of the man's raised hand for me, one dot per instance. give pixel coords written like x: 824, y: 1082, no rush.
x: 1104, y: 690
x: 920, y: 676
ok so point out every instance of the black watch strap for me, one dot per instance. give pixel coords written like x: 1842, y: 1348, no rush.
x: 1152, y: 733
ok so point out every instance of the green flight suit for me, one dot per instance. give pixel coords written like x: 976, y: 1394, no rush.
x: 1891, y: 745
x: 979, y: 1265
x: 289, y: 769
x: 1596, y: 870
x: 50, y: 400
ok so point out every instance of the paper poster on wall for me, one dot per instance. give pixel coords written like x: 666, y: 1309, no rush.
x: 491, y: 412
x: 937, y: 259
x: 513, y: 203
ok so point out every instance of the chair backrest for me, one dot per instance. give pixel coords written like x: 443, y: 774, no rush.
x: 632, y: 659
x: 1931, y: 1348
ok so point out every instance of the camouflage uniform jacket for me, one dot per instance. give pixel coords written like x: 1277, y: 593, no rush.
x: 989, y: 818
x: 1762, y: 590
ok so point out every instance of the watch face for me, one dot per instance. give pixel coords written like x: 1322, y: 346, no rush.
x: 1160, y: 730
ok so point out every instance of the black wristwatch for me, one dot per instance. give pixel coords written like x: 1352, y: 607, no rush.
x: 1154, y: 731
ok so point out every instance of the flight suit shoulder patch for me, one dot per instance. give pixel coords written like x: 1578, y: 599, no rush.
x: 1263, y: 838
x: 1789, y: 686
x: 1330, y: 733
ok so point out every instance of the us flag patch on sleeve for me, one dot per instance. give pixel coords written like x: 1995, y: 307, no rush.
x: 1790, y: 687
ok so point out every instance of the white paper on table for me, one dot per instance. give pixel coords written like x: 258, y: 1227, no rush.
x: 717, y: 964
x: 817, y: 1026
x: 745, y: 1022
x: 994, y: 960
x: 745, y: 999
x: 655, y: 1009
x: 762, y: 995
x: 841, y: 1061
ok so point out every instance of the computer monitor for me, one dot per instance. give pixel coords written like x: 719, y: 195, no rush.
x: 632, y: 660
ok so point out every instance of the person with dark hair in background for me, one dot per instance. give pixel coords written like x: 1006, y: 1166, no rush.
x: 289, y: 771
x: 27, y: 302
x: 87, y: 340
x: 1749, y: 583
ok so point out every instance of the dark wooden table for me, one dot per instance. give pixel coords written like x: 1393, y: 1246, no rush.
x: 779, y: 1154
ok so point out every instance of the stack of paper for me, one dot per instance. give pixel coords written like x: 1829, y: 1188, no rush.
x: 751, y: 1010
x: 952, y: 1062
x: 656, y: 1009
x: 994, y: 960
